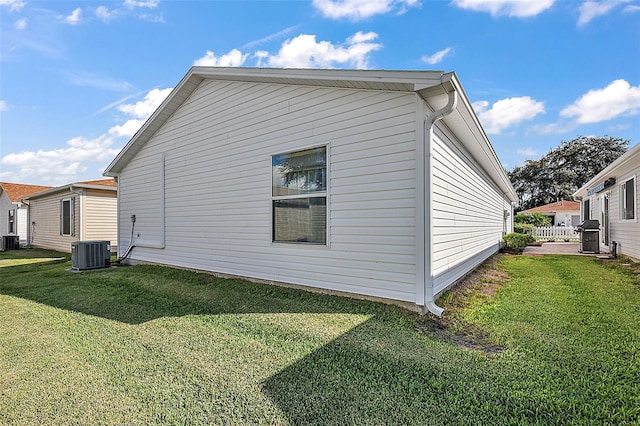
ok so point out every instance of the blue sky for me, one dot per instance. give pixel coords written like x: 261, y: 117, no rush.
x: 78, y: 78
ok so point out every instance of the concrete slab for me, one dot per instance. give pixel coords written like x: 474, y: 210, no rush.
x: 560, y: 248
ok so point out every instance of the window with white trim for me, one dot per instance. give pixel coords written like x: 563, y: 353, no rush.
x: 586, y: 210
x: 12, y: 221
x: 67, y: 216
x: 628, y: 199
x: 299, y: 196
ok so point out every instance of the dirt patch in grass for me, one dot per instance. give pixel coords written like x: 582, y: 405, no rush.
x: 483, y: 283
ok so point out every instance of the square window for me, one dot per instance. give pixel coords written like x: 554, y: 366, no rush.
x: 627, y: 199
x: 299, y: 196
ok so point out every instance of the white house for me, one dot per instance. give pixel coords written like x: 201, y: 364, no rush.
x: 561, y: 213
x: 612, y: 197
x: 77, y: 211
x: 14, y: 220
x: 376, y: 183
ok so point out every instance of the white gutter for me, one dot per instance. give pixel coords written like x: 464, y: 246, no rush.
x: 429, y: 121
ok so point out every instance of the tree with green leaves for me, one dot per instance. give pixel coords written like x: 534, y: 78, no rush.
x: 563, y: 170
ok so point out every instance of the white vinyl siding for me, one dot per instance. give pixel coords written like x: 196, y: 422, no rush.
x: 100, y: 216
x: 468, y: 213
x: 626, y: 233
x: 218, y: 147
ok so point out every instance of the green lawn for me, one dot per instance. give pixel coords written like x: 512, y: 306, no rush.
x: 558, y: 343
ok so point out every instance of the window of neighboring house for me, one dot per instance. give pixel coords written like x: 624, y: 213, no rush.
x: 67, y: 217
x: 12, y: 221
x: 586, y: 210
x: 299, y: 196
x: 627, y: 199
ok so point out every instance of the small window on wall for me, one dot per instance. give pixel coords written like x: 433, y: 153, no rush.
x: 12, y: 221
x: 628, y: 199
x: 586, y: 210
x: 67, y: 217
x: 299, y: 196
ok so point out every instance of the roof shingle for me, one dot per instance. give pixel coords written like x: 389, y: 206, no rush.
x: 15, y: 191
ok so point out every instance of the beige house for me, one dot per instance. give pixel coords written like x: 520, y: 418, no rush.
x: 13, y: 212
x: 81, y: 211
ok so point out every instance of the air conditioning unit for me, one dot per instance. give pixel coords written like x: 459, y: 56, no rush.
x: 10, y: 242
x: 90, y: 255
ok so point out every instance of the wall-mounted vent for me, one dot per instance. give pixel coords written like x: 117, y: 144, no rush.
x: 9, y: 242
x: 90, y: 255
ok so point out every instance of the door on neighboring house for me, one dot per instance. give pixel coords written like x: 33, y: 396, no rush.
x: 605, y: 220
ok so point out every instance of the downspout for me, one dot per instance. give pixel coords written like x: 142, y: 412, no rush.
x: 429, y: 121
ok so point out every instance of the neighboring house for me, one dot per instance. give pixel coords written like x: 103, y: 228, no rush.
x: 81, y: 211
x: 376, y: 183
x: 561, y: 213
x: 13, y: 212
x: 612, y: 197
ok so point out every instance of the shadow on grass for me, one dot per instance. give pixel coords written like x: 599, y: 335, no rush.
x: 352, y: 381
x: 137, y: 294
x: 376, y: 373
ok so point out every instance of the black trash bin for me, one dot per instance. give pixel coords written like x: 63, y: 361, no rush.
x: 589, y: 231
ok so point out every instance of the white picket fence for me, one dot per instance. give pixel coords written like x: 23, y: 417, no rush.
x: 556, y: 233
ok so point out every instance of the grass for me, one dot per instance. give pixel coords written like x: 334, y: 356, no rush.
x: 153, y: 345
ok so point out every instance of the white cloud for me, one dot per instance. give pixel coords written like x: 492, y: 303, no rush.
x: 618, y: 98
x: 234, y: 58
x: 144, y: 108
x: 139, y: 112
x: 3, y: 106
x: 513, y: 8
x: 103, y: 13
x: 507, y: 112
x: 73, y: 18
x: 20, y: 24
x: 150, y: 4
x: 128, y: 129
x: 13, y: 5
x: 592, y: 9
x: 83, y: 78
x: 361, y: 9
x: 305, y: 52
x: 527, y: 152
x: 437, y: 57
x: 65, y: 165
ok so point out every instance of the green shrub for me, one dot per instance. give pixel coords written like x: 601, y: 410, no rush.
x: 524, y: 228
x: 516, y: 241
x: 535, y: 219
